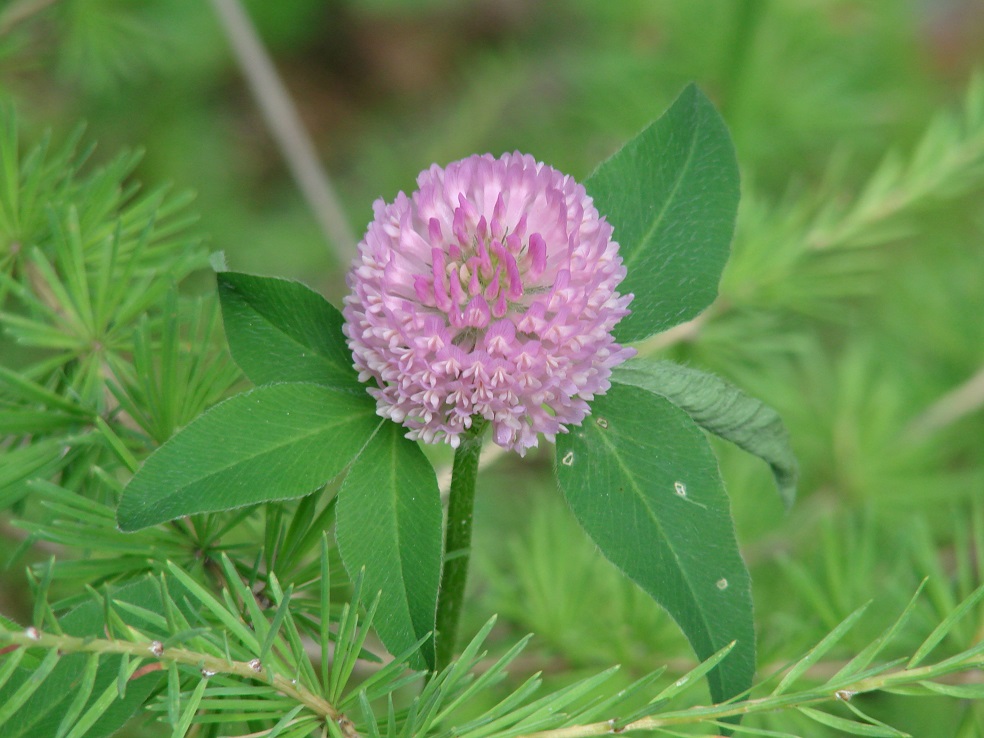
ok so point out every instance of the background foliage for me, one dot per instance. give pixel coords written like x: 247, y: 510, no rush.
x: 851, y: 305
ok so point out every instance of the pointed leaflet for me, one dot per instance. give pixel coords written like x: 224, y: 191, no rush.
x: 722, y: 409
x: 390, y: 522
x: 271, y: 443
x: 282, y: 331
x: 671, y: 194
x: 644, y: 483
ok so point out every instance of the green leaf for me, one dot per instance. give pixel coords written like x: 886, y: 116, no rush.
x: 43, y: 713
x: 644, y: 483
x: 389, y: 521
x: 271, y: 443
x: 819, y: 651
x: 722, y: 409
x: 671, y: 194
x: 940, y: 631
x: 282, y: 331
x: 849, y: 727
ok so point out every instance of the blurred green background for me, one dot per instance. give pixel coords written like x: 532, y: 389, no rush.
x: 854, y: 303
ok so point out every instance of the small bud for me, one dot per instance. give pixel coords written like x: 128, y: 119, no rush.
x: 157, y: 648
x: 208, y: 673
x: 255, y: 665
x: 844, y: 695
x: 33, y: 633
x: 347, y: 728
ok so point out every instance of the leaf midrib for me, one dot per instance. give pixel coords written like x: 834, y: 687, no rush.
x: 264, y: 452
x: 669, y: 543
x: 291, y: 339
x: 683, y: 173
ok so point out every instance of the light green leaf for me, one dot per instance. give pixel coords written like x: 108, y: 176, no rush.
x: 389, y: 521
x: 819, y: 651
x: 282, y: 331
x: 271, y: 443
x: 671, y: 194
x: 722, y: 409
x: 850, y: 726
x: 644, y: 483
x: 940, y: 631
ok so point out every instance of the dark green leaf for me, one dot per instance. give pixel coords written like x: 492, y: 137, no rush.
x: 271, y: 443
x: 672, y: 194
x: 722, y: 409
x: 44, y: 711
x: 281, y: 331
x: 389, y: 521
x: 644, y: 483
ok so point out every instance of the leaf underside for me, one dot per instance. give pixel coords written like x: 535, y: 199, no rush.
x: 722, y: 409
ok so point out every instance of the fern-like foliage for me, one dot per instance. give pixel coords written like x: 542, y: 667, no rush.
x: 195, y: 658
x: 102, y: 357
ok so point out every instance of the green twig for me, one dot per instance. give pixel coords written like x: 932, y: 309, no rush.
x: 457, y: 540
x: 207, y: 664
x: 843, y: 691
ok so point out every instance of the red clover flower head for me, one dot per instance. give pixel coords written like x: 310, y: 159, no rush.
x: 490, y: 291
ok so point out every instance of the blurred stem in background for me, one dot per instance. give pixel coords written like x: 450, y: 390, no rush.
x: 286, y: 127
x: 748, y: 16
x: 18, y: 12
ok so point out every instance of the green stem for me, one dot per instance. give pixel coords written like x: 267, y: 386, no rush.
x: 457, y: 540
x: 159, y: 657
x: 748, y: 17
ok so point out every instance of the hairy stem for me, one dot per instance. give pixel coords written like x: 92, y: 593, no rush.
x: 842, y: 690
x: 157, y: 653
x: 457, y: 541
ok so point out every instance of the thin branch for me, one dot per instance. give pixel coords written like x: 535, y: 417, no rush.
x: 19, y: 12
x: 686, y: 332
x: 952, y: 406
x: 208, y: 664
x: 695, y: 715
x: 286, y: 127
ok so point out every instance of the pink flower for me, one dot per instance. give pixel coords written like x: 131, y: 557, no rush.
x: 490, y: 291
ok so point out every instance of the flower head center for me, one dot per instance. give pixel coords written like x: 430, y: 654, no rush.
x: 482, y: 270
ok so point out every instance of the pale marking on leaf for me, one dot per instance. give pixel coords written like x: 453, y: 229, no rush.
x: 602, y: 423
x: 681, y: 489
x: 655, y: 519
x: 568, y: 459
x: 722, y: 583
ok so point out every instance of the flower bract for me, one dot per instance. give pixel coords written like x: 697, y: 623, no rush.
x: 490, y: 291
